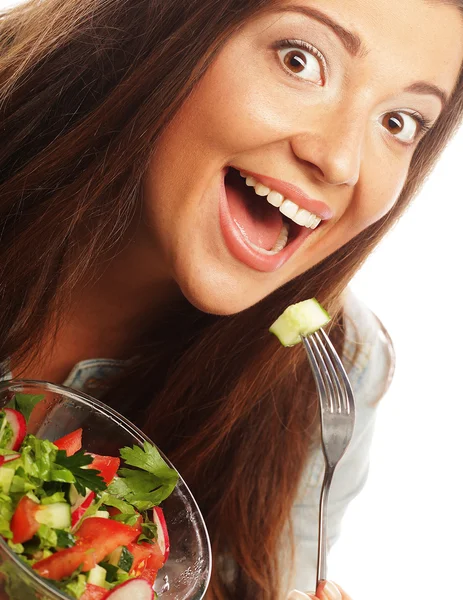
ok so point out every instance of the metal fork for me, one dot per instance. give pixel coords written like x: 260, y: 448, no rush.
x: 337, y: 410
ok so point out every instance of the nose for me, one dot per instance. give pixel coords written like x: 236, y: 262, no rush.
x: 333, y: 146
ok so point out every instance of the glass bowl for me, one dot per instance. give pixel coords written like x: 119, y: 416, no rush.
x: 186, y: 574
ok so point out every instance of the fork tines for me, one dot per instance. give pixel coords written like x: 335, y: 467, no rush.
x: 330, y: 376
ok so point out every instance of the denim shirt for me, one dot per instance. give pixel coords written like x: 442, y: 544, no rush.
x: 369, y: 361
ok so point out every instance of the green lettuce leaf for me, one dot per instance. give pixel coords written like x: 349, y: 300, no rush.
x: 21, y: 485
x: 38, y: 457
x: 25, y: 403
x: 6, y: 512
x: 48, y: 537
x: 76, y: 588
x: 54, y: 498
x: 17, y: 548
x: 6, y: 431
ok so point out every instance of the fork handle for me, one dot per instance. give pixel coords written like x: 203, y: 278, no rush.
x: 322, y: 525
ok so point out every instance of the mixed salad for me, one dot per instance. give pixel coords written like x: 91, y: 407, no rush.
x: 92, y: 528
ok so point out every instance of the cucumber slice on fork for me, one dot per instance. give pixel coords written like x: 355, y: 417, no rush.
x: 302, y: 318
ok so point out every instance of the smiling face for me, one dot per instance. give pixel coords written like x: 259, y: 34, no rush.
x: 320, y: 105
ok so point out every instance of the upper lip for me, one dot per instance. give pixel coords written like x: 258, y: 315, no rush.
x: 294, y: 193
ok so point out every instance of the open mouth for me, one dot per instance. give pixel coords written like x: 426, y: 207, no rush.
x: 260, y: 226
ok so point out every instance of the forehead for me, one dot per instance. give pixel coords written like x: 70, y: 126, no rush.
x: 418, y: 38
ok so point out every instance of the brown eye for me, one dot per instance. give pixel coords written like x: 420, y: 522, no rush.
x: 302, y: 63
x: 295, y: 61
x: 401, y: 125
x: 394, y: 122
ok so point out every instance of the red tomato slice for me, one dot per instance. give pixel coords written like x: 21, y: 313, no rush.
x: 71, y: 443
x: 23, y: 523
x: 107, y: 465
x: 64, y: 562
x: 94, y: 592
x: 98, y: 529
x: 147, y: 560
x: 96, y: 538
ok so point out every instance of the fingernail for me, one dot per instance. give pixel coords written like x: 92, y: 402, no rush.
x: 297, y: 595
x: 331, y: 591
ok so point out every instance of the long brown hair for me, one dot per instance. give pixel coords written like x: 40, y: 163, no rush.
x: 86, y: 89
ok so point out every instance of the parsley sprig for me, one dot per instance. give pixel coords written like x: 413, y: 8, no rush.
x: 84, y: 478
x: 147, y: 485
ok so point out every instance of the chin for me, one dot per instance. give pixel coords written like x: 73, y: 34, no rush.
x: 222, y: 298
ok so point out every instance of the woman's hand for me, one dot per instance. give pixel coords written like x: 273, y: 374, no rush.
x: 327, y: 590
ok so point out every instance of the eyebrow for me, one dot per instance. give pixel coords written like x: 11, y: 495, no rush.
x: 423, y: 87
x: 354, y: 45
x: 351, y: 41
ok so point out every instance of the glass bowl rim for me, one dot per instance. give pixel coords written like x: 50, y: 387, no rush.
x: 120, y: 420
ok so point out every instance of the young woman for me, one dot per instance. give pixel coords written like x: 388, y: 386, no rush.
x: 128, y: 232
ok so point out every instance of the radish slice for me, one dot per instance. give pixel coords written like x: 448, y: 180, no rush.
x: 163, y: 536
x: 80, y: 506
x: 133, y: 589
x: 8, y: 458
x: 18, y: 424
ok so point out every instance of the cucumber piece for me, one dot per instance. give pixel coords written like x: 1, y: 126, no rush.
x: 97, y: 576
x: 6, y: 478
x: 73, y: 495
x: 299, y: 319
x: 57, y: 516
x: 103, y: 514
x: 75, y: 499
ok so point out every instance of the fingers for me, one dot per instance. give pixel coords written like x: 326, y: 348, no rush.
x: 327, y: 590
x: 297, y: 595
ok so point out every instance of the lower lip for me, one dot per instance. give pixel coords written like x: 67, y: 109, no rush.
x: 245, y: 253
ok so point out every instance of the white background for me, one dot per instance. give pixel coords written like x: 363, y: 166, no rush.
x: 402, y: 536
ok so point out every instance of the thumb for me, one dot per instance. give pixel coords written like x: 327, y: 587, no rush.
x: 297, y: 595
x: 327, y: 590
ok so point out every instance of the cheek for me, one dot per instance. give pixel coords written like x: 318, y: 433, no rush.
x: 379, y: 189
x: 233, y: 110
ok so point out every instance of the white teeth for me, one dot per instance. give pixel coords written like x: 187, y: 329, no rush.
x: 289, y: 209
x: 282, y: 238
x: 302, y: 217
x: 312, y: 221
x: 275, y: 199
x: 261, y: 190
